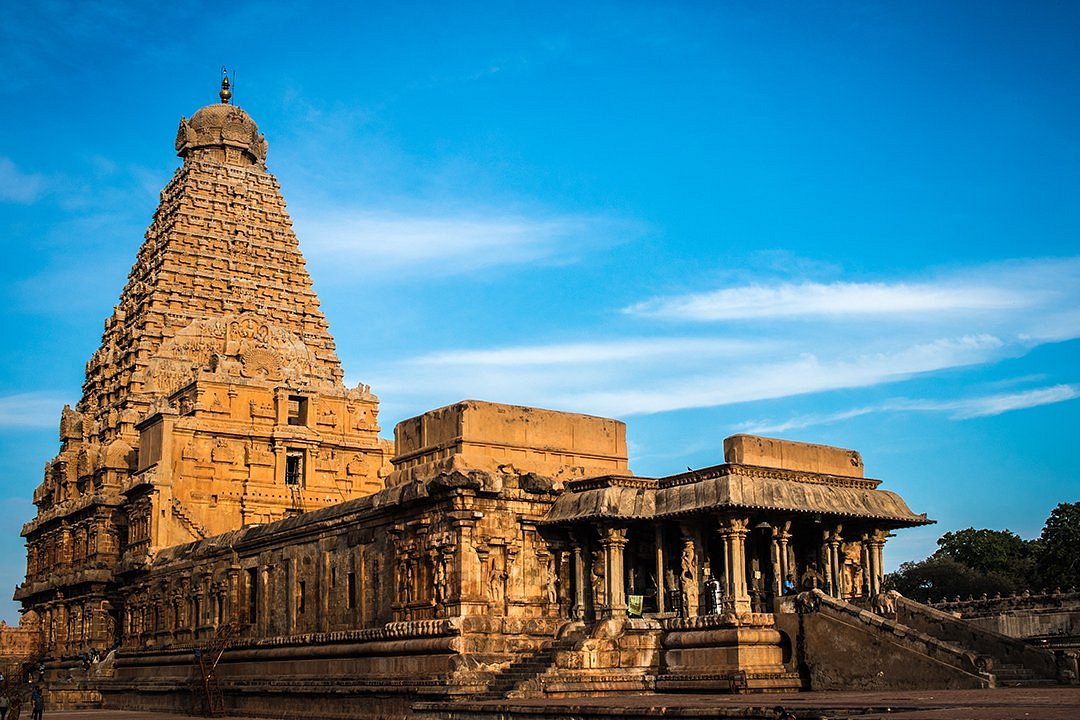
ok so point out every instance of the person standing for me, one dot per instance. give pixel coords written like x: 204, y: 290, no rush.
x: 5, y: 703
x: 38, y: 702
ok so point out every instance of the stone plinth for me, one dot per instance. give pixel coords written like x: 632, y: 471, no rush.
x: 488, y: 436
x: 791, y: 455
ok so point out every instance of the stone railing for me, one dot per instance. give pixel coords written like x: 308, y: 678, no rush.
x: 921, y: 642
x: 984, y: 606
x: 1001, y: 648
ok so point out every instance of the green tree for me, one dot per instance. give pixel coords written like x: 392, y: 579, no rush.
x: 1059, y: 551
x: 940, y: 577
x: 991, y: 552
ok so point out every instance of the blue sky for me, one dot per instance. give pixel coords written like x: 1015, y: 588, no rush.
x: 848, y: 223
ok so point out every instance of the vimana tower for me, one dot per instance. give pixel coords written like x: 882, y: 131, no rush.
x: 222, y: 515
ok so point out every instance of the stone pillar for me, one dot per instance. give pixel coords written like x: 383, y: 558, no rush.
x: 735, y: 530
x: 578, y: 610
x: 658, y: 539
x: 826, y: 570
x: 466, y: 594
x: 832, y: 542
x: 359, y: 587
x: 613, y: 541
x: 877, y: 545
x: 322, y: 587
x: 689, y: 574
x: 867, y: 565
x: 565, y: 568
x: 232, y: 597
x: 262, y: 600
x: 290, y: 596
x: 512, y: 573
x: 786, y: 566
x: 776, y: 559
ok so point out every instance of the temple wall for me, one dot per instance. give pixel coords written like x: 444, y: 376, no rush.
x: 1051, y: 619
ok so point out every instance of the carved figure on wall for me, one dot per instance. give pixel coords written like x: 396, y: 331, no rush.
x: 597, y: 574
x: 356, y: 466
x: 851, y: 575
x: 70, y: 424
x: 439, y: 581
x: 197, y: 450
x: 688, y: 578
x: 223, y: 452
x: 551, y: 580
x: 497, y: 577
x: 405, y: 575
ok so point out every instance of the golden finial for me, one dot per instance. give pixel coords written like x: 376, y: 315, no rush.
x: 225, y: 93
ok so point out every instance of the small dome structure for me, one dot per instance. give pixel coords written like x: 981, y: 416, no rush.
x: 223, y: 133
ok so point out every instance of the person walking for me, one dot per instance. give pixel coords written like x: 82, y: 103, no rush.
x: 5, y: 703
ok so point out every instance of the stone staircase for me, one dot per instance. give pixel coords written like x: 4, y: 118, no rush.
x: 1015, y: 675
x: 951, y: 651
x: 522, y: 677
x: 1012, y: 662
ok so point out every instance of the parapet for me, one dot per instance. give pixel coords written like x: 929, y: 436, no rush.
x: 791, y: 455
x: 490, y: 436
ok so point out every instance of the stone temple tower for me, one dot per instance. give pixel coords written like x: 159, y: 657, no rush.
x: 214, y: 401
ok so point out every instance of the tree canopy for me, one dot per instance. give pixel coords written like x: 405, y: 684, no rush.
x: 975, y: 562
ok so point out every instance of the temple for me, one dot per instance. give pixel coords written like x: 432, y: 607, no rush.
x: 223, y: 512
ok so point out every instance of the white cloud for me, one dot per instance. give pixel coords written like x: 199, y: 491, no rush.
x: 625, y: 379
x: 1008, y: 286
x: 798, y: 422
x: 1017, y: 306
x: 575, y: 353
x: 961, y: 409
x: 30, y: 410
x: 17, y: 186
x: 834, y: 299
x: 762, y: 379
x: 448, y: 244
x: 997, y: 404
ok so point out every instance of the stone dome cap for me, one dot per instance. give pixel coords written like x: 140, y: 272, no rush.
x: 221, y: 132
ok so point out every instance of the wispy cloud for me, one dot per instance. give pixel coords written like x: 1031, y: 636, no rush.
x: 452, y: 243
x: 30, y: 410
x: 575, y: 353
x: 626, y: 379
x: 799, y: 422
x: 1011, y: 286
x: 762, y: 379
x: 960, y: 409
x: 964, y: 318
x: 17, y: 186
x: 997, y: 404
x: 831, y: 300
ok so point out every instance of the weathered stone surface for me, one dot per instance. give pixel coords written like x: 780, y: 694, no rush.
x: 791, y: 455
x: 512, y: 439
x: 219, y: 493
x: 215, y: 400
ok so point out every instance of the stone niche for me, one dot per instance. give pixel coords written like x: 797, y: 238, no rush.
x: 477, y: 435
x: 791, y: 455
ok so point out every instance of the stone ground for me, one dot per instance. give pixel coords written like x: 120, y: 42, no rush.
x: 1043, y: 703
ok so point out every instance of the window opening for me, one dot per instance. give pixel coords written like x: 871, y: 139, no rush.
x: 294, y: 468
x: 298, y: 407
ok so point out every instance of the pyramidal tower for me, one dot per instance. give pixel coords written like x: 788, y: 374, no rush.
x: 214, y: 401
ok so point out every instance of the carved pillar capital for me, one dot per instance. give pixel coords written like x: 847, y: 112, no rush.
x: 613, y: 535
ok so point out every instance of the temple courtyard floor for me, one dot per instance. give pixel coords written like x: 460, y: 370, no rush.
x: 1036, y: 703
